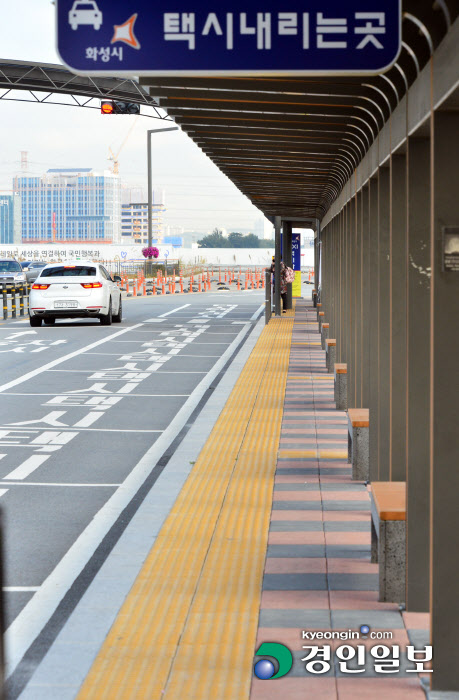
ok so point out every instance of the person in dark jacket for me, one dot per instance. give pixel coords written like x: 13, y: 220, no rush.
x: 283, y: 282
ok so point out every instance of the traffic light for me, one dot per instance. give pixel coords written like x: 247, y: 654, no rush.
x: 115, y: 107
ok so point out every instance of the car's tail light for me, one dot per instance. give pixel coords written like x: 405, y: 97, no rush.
x: 91, y: 285
x: 40, y: 286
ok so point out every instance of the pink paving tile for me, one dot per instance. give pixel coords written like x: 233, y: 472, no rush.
x: 288, y: 600
x: 295, y: 565
x: 380, y: 689
x: 346, y: 515
x: 337, y: 538
x: 335, y: 478
x: 346, y: 496
x: 296, y: 538
x: 297, y: 495
x: 290, y: 688
x: 312, y: 441
x: 344, y: 565
x: 306, y: 515
x: 359, y: 600
x: 416, y: 621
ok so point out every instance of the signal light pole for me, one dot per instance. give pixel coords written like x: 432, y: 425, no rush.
x: 150, y: 202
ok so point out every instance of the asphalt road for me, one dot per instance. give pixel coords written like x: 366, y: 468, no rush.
x: 81, y: 404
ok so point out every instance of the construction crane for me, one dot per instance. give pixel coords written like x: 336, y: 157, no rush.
x: 113, y: 157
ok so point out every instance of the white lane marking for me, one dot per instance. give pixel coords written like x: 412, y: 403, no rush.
x: 257, y: 312
x: 16, y: 335
x: 173, y: 310
x: 90, y: 393
x: 104, y: 430
x: 59, y: 361
x: 1, y: 456
x: 154, y: 320
x: 3, y: 491
x: 34, y: 616
x: 51, y: 483
x: 20, y: 589
x: 27, y: 467
x: 235, y: 323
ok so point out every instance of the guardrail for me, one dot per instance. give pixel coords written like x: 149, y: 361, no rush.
x: 15, y: 299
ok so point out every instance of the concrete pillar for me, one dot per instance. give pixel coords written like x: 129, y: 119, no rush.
x: 373, y: 327
x: 444, y: 454
x: 384, y: 323
x: 287, y: 255
x: 418, y: 355
x: 397, y: 297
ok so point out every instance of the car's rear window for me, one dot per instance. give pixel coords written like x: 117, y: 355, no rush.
x: 38, y: 264
x: 64, y: 271
x: 10, y: 266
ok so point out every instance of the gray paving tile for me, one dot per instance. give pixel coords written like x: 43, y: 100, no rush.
x: 297, y: 505
x: 304, y: 471
x: 297, y: 486
x: 337, y: 526
x: 419, y: 638
x: 354, y: 551
x: 294, y: 582
x: 296, y: 526
x: 347, y: 505
x: 296, y: 550
x: 353, y: 582
x: 298, y: 619
x: 375, y: 619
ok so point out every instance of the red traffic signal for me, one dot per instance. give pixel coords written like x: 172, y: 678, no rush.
x: 116, y: 107
x: 107, y: 107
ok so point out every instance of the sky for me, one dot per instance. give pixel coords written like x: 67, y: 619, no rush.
x: 198, y: 196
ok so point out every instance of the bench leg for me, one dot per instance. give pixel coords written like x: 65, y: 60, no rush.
x: 374, y: 544
x: 392, y: 561
x: 359, y: 454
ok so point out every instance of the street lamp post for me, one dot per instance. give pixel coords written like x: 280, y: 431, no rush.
x: 150, y: 203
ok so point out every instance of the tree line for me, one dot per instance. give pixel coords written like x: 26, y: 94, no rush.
x: 216, y: 239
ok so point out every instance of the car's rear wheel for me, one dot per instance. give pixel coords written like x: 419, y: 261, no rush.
x: 117, y: 318
x: 107, y: 320
x: 35, y: 321
x: 49, y: 321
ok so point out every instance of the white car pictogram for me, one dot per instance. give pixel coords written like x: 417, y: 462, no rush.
x: 85, y: 12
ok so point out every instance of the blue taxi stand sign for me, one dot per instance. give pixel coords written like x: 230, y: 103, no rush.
x: 239, y: 37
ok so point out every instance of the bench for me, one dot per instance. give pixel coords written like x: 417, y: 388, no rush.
x: 358, y: 423
x: 340, y: 386
x: 324, y: 334
x: 388, y: 538
x: 330, y: 356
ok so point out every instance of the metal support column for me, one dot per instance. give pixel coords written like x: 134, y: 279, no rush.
x: 366, y: 286
x: 444, y: 385
x: 397, y: 297
x: 418, y: 360
x: 277, y: 266
x: 384, y: 324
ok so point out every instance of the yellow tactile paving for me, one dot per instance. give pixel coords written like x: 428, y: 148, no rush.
x: 188, y: 626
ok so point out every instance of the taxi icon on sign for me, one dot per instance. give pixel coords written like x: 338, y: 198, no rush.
x: 85, y: 12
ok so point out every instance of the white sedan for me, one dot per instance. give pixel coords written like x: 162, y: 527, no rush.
x: 79, y: 290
